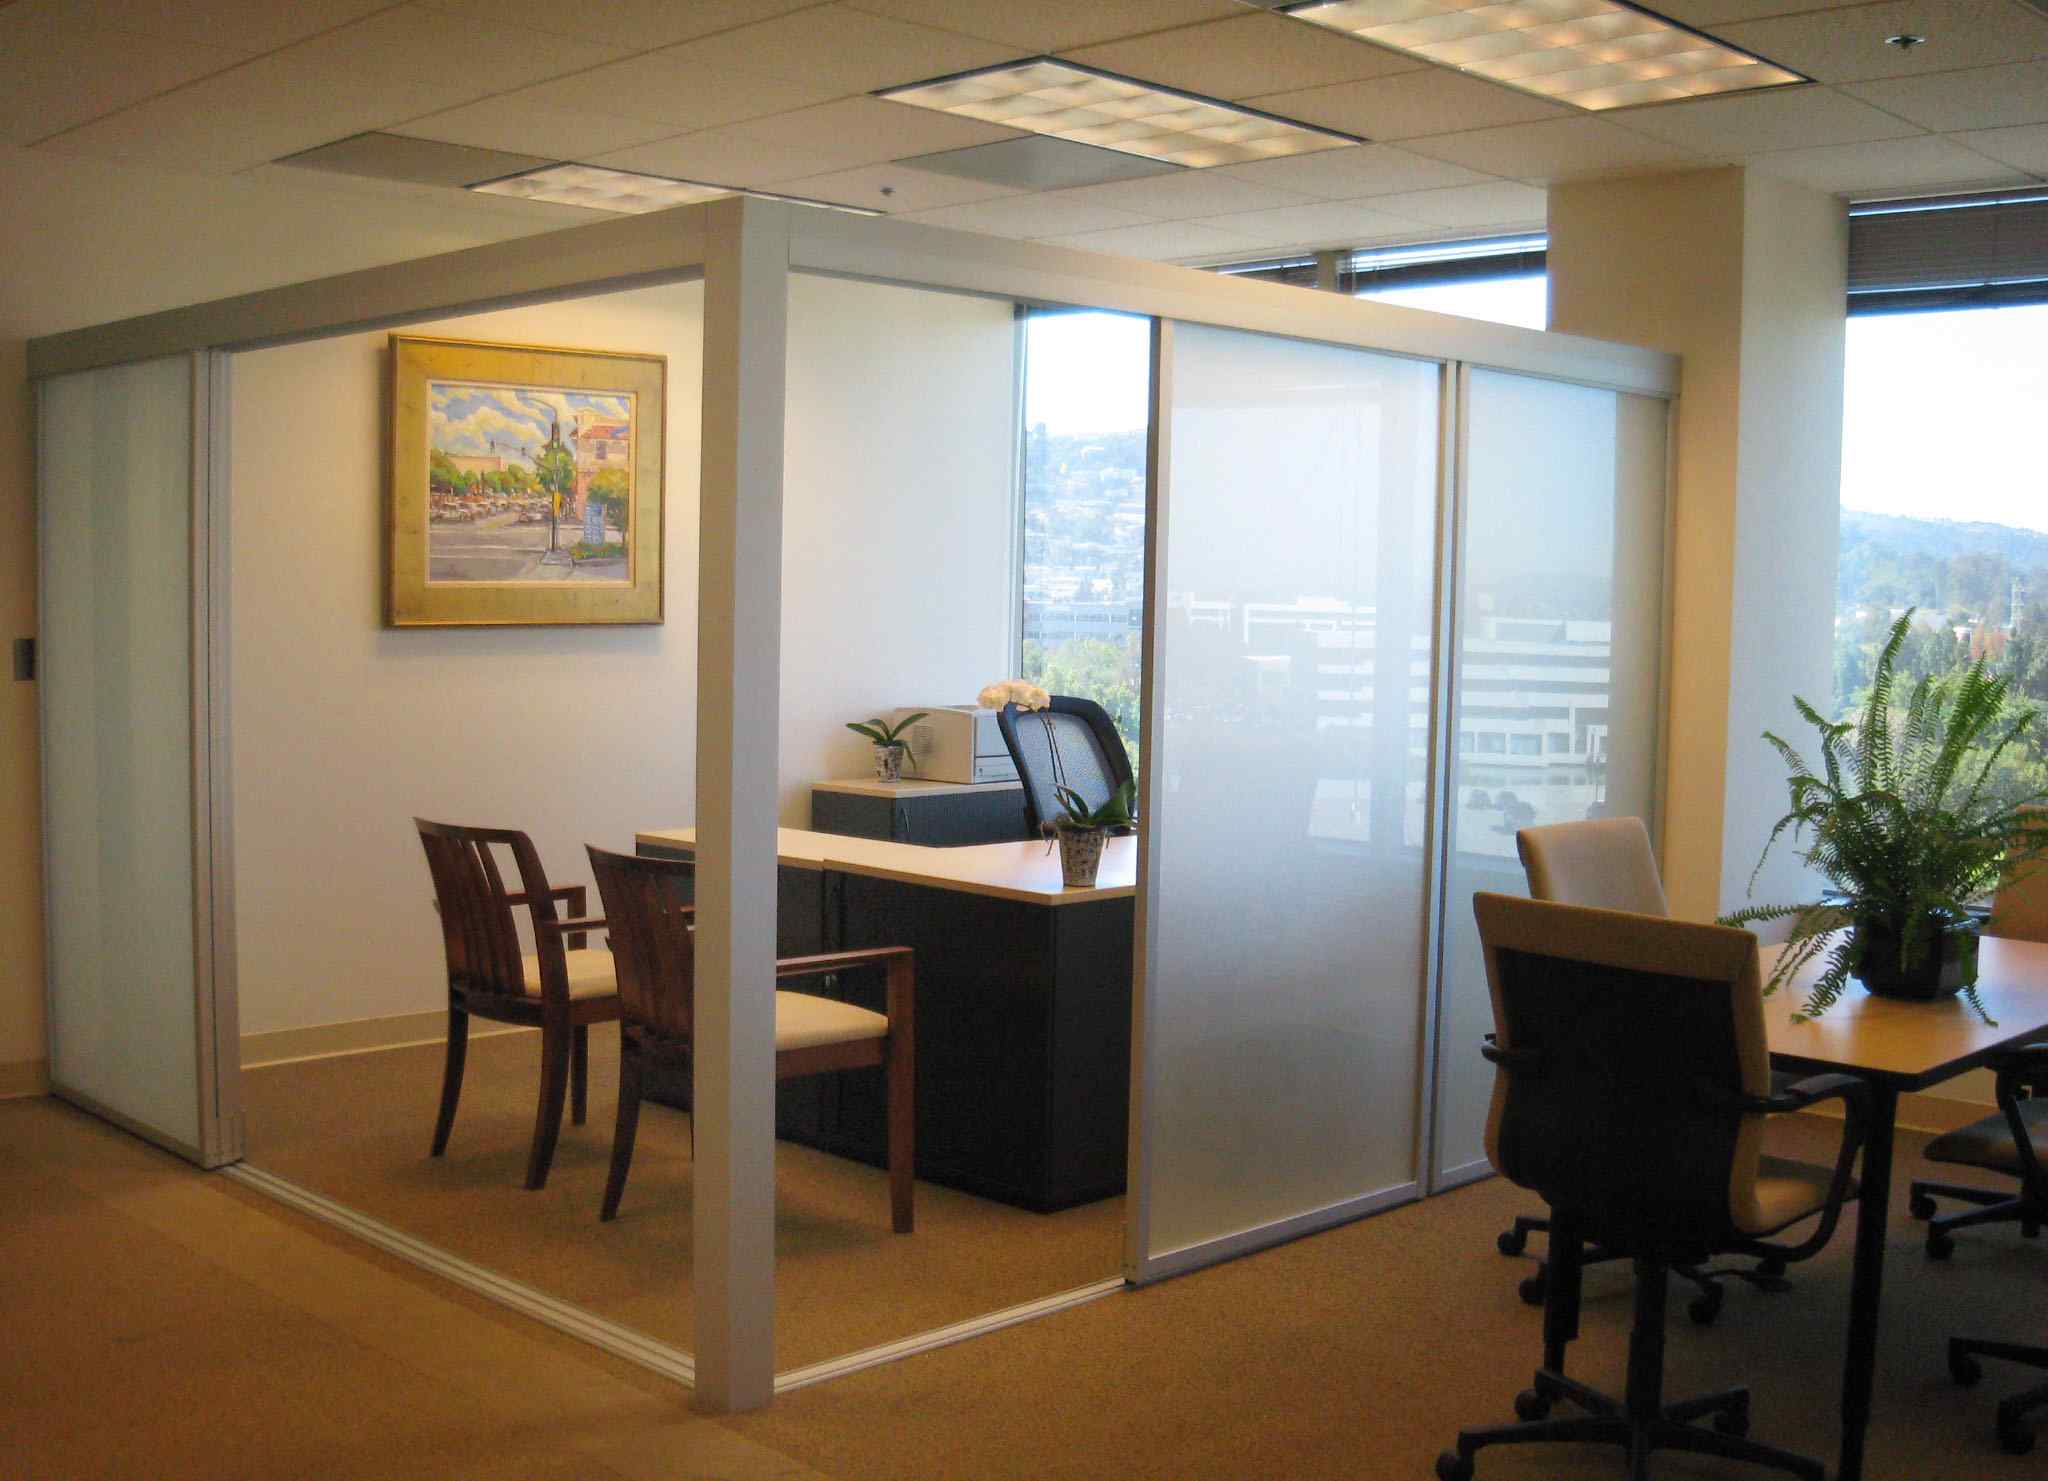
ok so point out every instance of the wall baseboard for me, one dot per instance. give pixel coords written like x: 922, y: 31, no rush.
x: 357, y: 1036
x: 25, y: 1078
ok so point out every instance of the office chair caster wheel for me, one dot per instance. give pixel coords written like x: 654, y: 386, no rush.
x: 1705, y: 1307
x: 1940, y: 1246
x: 1512, y: 1241
x: 2015, y: 1436
x: 1921, y: 1206
x: 1451, y: 1466
x: 1531, y: 1406
x: 1734, y: 1420
x: 1963, y: 1368
x: 1536, y: 1287
x: 1771, y: 1268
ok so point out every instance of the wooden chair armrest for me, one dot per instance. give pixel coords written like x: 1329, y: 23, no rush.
x: 580, y: 923
x: 833, y: 961
x: 576, y: 896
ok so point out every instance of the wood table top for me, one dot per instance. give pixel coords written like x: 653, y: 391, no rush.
x: 1024, y: 871
x: 1914, y: 1045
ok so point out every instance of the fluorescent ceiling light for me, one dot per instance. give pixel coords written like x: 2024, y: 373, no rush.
x: 623, y: 190
x: 1592, y: 54
x: 1084, y: 106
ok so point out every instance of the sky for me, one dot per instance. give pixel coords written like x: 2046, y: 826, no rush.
x: 1942, y: 419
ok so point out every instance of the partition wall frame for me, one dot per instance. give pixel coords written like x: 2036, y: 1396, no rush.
x: 1328, y: 362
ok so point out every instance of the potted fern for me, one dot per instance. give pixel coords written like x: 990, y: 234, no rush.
x: 890, y: 746
x: 1909, y: 826
x: 1082, y: 830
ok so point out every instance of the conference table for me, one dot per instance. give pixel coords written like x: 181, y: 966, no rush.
x: 1896, y: 1047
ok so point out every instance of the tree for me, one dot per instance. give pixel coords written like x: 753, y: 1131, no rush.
x: 612, y: 491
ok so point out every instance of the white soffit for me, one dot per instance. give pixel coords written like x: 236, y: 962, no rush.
x: 1243, y: 57
x: 1975, y: 98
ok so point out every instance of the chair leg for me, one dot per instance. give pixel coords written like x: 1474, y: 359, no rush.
x: 554, y: 1089
x: 451, y: 1077
x: 579, y: 1073
x: 902, y: 1134
x: 626, y: 1128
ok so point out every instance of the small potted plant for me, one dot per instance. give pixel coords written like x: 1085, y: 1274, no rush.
x: 1081, y: 830
x: 1910, y: 826
x: 890, y: 746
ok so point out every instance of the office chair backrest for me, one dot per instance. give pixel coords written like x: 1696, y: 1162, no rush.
x: 647, y: 910
x: 1070, y: 743
x: 1625, y: 1042
x: 1603, y: 862
x: 2020, y: 909
x: 477, y: 929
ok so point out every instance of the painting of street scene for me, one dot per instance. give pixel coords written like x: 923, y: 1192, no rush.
x: 528, y: 483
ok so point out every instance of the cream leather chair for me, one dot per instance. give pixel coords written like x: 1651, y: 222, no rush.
x: 1633, y: 1081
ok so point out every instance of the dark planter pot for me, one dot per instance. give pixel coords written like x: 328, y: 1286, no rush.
x: 1942, y: 971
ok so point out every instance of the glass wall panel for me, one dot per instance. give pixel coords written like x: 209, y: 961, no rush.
x: 1285, y: 968
x: 1560, y: 634
x: 115, y: 495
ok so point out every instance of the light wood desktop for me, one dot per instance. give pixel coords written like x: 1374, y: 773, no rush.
x: 1898, y: 1047
x: 1023, y: 1005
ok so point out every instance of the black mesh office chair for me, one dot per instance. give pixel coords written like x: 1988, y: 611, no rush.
x: 1634, y: 1082
x: 1070, y: 743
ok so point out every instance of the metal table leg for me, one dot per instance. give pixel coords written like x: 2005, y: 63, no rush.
x: 1873, y: 1210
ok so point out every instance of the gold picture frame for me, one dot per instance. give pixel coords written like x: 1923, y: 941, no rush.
x: 526, y: 485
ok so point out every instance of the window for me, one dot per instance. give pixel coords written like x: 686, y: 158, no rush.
x: 1525, y: 745
x: 1087, y: 409
x: 1492, y: 743
x: 1559, y: 744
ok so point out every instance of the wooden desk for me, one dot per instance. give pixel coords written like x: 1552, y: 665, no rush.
x: 1023, y: 1006
x: 1896, y: 1047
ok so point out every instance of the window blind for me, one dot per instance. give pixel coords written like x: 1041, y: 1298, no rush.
x: 1951, y: 252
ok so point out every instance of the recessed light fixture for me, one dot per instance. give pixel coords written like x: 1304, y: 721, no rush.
x: 1593, y: 54
x: 1086, y: 106
x: 627, y: 191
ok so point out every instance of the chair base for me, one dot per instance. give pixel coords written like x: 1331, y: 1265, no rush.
x: 1607, y: 1421
x: 1987, y: 1206
x: 1704, y: 1308
x: 2015, y: 1435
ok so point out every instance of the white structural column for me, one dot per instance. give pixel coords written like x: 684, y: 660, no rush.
x: 1742, y: 276
x: 746, y: 309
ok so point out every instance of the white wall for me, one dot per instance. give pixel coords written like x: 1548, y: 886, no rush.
x: 899, y: 520
x: 345, y: 730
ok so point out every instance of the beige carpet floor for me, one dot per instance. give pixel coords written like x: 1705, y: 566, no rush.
x: 356, y: 1128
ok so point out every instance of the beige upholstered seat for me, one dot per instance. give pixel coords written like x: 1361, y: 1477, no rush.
x: 803, y: 1021
x: 592, y: 973
x: 1783, y: 1193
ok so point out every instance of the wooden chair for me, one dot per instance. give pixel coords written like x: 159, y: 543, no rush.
x: 648, y: 914
x: 1633, y: 1079
x: 561, y: 988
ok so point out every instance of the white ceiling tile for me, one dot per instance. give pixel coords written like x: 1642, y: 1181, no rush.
x: 1186, y: 194
x: 433, y: 197
x: 1348, y: 174
x: 1030, y: 216
x: 248, y: 27
x: 637, y: 25
x: 1052, y: 25
x: 56, y: 76
x: 251, y: 114
x: 722, y: 157
x: 1975, y: 98
x: 1330, y: 224
x: 1849, y: 45
x: 1556, y: 149
x: 2023, y: 148
x: 845, y: 50
x: 517, y: 123
x: 1707, y: 13
x: 867, y: 131
x: 1923, y: 163
x: 907, y: 189
x: 1503, y: 204
x: 1433, y: 100
x: 1166, y: 241
x: 681, y: 93
x: 1243, y: 57
x: 1736, y: 125
x: 413, y: 41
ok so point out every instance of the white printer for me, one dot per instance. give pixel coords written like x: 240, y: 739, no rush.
x: 956, y: 743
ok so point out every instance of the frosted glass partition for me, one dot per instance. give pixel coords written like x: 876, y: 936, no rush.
x: 1284, y: 960
x: 1560, y: 608
x: 115, y: 497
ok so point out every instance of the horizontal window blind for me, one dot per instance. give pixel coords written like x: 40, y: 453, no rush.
x: 1952, y: 252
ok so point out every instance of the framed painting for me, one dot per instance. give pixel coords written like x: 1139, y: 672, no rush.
x: 526, y: 485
